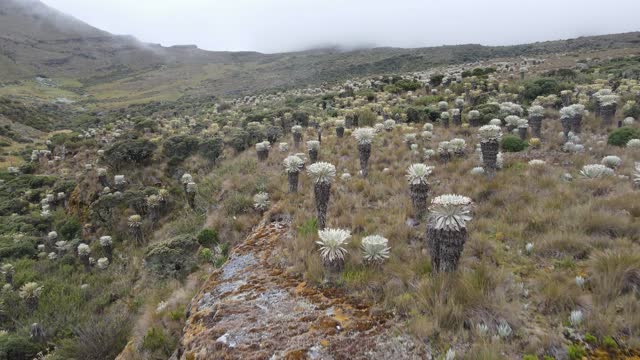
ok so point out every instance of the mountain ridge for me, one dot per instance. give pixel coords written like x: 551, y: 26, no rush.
x: 118, y: 69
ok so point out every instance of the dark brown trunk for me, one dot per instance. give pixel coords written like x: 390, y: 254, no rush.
x: 576, y: 124
x: 293, y: 181
x: 263, y: 155
x: 365, y: 153
x: 536, y: 126
x: 607, y: 113
x: 566, y: 127
x: 522, y: 132
x: 419, y: 194
x: 297, y: 139
x: 490, y: 154
x: 313, y: 155
x: 457, y: 119
x: 445, y: 248
x: 339, y: 132
x: 322, y: 191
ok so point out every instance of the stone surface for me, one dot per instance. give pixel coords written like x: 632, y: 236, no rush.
x: 252, y: 309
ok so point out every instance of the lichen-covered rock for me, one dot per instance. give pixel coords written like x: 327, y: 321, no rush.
x: 172, y: 258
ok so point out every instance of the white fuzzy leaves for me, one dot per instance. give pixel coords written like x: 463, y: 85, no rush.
x: 594, y: 171
x: 375, y: 248
x: 322, y: 172
x: 364, y: 135
x: 489, y: 133
x: 419, y: 174
x: 450, y: 212
x: 293, y: 164
x: 332, y: 242
x: 261, y: 201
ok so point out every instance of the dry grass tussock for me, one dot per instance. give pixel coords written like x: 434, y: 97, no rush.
x: 588, y: 228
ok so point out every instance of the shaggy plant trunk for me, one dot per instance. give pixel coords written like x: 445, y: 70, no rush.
x: 154, y: 213
x: 36, y: 332
x: 490, y: 154
x: 297, y: 139
x: 136, y: 233
x: 340, y: 132
x: 334, y: 266
x: 322, y: 190
x: 576, y: 124
x: 445, y: 123
x: 104, y: 182
x: 419, y: 194
x: 8, y: 277
x: 365, y: 153
x: 263, y: 155
x: 32, y: 303
x: 522, y: 132
x: 474, y: 122
x: 108, y: 250
x: 510, y: 128
x: 607, y: 113
x: 457, y: 119
x: 444, y: 156
x: 566, y: 100
x: 445, y: 248
x: 536, y: 126
x: 313, y: 155
x: 84, y: 260
x: 348, y: 122
x: 293, y: 181
x: 566, y: 127
x: 191, y: 199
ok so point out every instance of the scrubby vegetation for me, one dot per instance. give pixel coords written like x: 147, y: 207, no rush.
x: 108, y: 231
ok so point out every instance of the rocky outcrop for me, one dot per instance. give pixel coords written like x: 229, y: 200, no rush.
x: 252, y: 309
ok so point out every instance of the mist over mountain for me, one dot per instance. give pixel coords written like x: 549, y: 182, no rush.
x: 36, y: 39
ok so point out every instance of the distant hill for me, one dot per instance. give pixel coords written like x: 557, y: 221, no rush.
x: 36, y: 40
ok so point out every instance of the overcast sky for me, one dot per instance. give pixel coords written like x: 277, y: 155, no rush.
x: 287, y: 25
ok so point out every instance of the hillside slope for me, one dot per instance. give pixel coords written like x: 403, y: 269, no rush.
x: 38, y: 40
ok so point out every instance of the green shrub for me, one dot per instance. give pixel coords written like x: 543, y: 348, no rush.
x: 543, y: 87
x: 14, y: 347
x: 180, y: 147
x: 69, y: 228
x: 172, y: 258
x: 157, y: 341
x: 530, y: 357
x: 237, y: 204
x: 207, y: 237
x: 488, y: 112
x: 621, y: 136
x: 101, y: 338
x: 129, y: 152
x: 576, y: 352
x: 511, y: 143
x: 10, y: 249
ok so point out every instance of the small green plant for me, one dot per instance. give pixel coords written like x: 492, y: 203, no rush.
x: 205, y: 255
x: 590, y: 338
x: 309, y: 227
x: 207, y: 237
x: 530, y: 357
x: 576, y: 352
x: 511, y: 143
x: 620, y: 137
x: 609, y: 343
